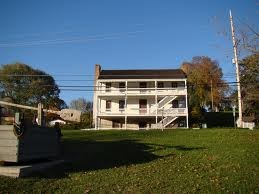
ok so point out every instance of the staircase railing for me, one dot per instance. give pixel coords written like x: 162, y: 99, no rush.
x: 165, y: 101
x: 172, y: 111
x: 162, y: 103
x: 167, y: 120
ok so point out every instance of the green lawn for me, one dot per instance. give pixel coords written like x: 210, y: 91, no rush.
x: 172, y: 161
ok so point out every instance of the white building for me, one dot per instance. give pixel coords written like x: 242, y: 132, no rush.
x: 52, y: 123
x: 140, y: 99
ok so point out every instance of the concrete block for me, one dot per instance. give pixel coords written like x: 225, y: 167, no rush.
x: 25, y: 170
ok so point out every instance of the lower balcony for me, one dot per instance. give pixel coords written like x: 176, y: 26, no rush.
x: 144, y: 112
x: 136, y: 122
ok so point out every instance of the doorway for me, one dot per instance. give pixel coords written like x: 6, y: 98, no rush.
x: 142, y: 125
x: 142, y: 106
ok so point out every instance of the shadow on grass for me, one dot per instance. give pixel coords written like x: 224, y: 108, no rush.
x: 176, y: 147
x: 82, y: 156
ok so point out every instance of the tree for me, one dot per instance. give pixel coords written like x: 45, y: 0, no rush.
x: 248, y: 38
x: 205, y: 82
x: 87, y: 108
x: 29, y: 86
x: 246, y: 35
x: 249, y: 70
x: 81, y: 104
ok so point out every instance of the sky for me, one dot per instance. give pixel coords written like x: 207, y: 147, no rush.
x: 67, y: 38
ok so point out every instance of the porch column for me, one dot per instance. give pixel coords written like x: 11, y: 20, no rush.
x: 96, y: 107
x: 98, y: 112
x: 126, y: 96
x: 126, y: 103
x: 156, y: 101
x: 187, y: 122
x: 96, y: 120
x: 125, y: 126
x: 99, y: 122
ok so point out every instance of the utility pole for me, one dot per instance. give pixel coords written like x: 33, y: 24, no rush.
x: 211, y: 94
x: 240, y: 123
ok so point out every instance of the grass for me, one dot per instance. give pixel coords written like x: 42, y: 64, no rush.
x: 172, y: 161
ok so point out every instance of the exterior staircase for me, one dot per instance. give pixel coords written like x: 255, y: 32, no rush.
x: 166, y: 121
x: 163, y: 102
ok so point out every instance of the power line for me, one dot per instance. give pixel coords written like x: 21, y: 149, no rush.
x: 79, y: 75
x: 76, y: 80
x: 72, y: 40
x: 49, y: 75
x: 29, y: 35
x: 189, y: 84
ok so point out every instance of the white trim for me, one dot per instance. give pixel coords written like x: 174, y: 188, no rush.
x: 141, y: 80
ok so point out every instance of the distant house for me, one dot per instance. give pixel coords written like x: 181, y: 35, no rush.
x: 140, y: 99
x: 6, y: 111
x: 52, y: 123
x: 6, y: 115
x: 249, y: 122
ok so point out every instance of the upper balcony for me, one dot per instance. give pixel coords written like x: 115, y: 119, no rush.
x: 141, y: 88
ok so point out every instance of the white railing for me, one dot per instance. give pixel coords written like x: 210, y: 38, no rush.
x: 139, y: 91
x: 167, y: 120
x: 162, y: 103
x: 173, y: 111
x: 165, y: 101
x: 145, y: 111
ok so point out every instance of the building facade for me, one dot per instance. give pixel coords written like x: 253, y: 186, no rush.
x: 140, y: 99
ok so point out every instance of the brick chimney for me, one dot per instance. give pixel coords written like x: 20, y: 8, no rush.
x: 97, y: 71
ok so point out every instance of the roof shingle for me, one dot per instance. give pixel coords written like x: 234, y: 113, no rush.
x: 142, y: 74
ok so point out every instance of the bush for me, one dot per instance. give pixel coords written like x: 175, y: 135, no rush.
x: 219, y: 119
x: 196, y: 117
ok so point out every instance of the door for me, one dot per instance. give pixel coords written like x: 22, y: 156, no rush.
x: 142, y: 106
x: 142, y: 125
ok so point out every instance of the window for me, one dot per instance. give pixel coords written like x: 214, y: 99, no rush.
x: 143, y: 85
x: 175, y: 104
x: 108, y: 87
x: 122, y: 86
x: 174, y: 84
x: 108, y: 105
x: 160, y: 84
x: 121, y: 104
x: 181, y: 102
x: 181, y: 85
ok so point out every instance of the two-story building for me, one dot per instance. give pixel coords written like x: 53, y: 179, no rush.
x: 140, y: 99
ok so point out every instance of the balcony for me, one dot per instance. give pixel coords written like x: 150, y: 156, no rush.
x: 144, y: 112
x: 141, y: 91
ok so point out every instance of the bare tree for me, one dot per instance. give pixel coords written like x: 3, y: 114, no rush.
x: 81, y: 104
x: 248, y: 37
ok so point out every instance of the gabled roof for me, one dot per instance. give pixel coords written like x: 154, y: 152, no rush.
x: 142, y: 74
